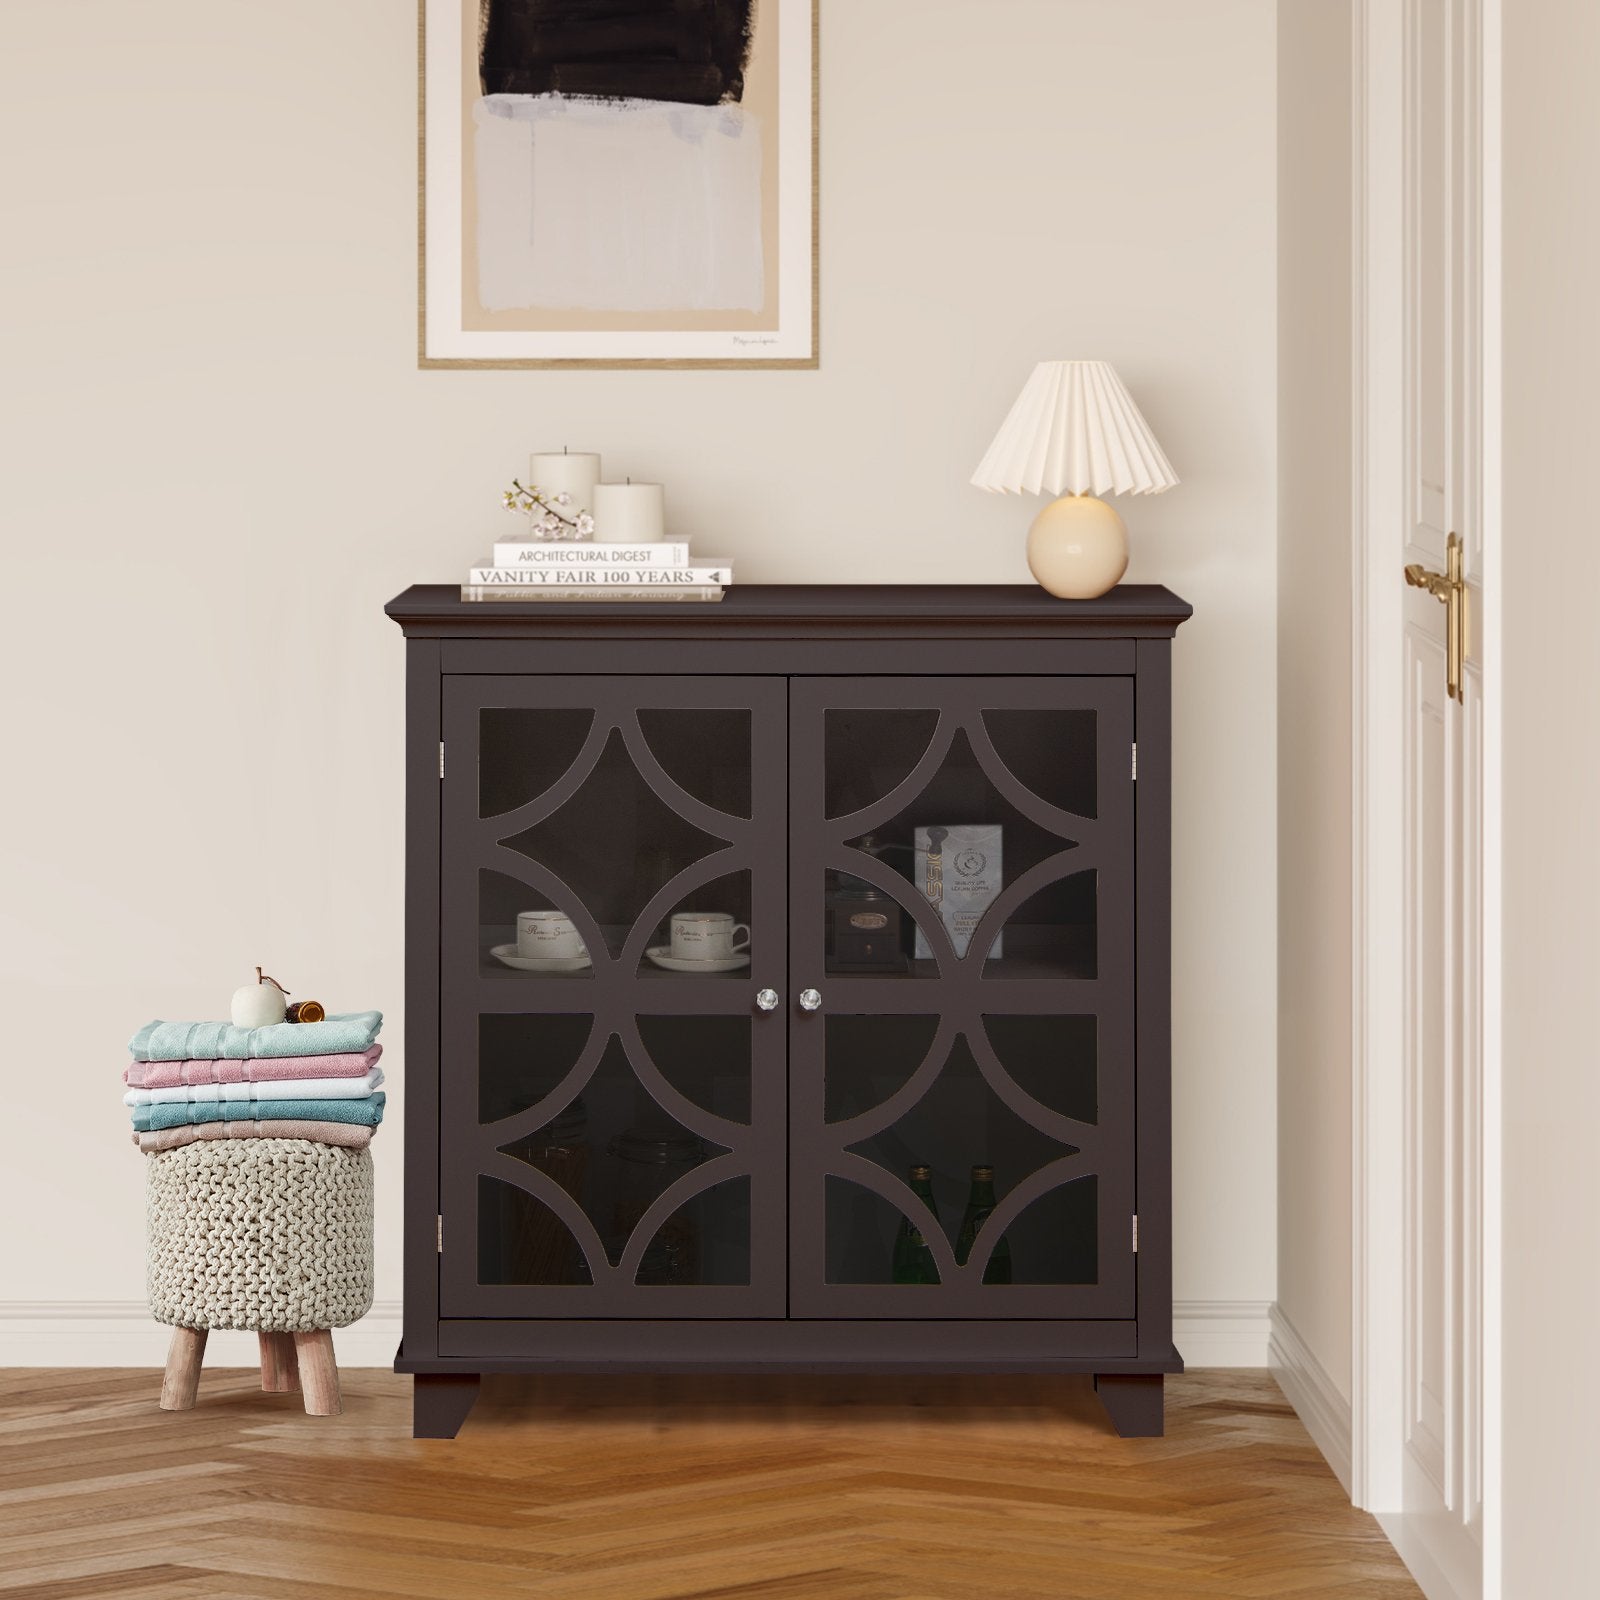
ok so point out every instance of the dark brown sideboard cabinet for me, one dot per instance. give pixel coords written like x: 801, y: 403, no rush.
x: 943, y: 814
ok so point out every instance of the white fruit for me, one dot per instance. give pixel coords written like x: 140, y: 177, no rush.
x: 258, y: 1004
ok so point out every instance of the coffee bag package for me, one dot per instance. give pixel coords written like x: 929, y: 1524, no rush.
x: 958, y: 870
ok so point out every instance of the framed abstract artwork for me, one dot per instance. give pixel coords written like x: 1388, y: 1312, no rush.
x: 618, y: 183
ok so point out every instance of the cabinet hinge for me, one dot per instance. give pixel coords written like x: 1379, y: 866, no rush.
x: 441, y: 758
x: 1136, y: 1233
x: 1135, y: 761
x: 438, y: 1235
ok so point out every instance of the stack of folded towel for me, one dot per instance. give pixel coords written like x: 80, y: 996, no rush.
x: 289, y: 1080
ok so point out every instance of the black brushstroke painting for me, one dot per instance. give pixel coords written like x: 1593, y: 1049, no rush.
x: 691, y: 51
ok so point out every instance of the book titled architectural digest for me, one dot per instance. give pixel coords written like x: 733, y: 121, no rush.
x: 599, y: 577
x: 958, y: 870
x: 564, y: 553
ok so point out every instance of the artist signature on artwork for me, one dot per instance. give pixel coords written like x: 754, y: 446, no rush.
x: 767, y: 338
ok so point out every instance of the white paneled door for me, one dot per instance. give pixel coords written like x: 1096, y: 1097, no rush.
x: 1439, y: 561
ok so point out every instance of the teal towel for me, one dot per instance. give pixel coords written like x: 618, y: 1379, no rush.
x: 368, y: 1110
x: 350, y: 1033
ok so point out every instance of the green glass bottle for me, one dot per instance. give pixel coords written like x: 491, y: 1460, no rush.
x: 980, y: 1202
x: 913, y: 1260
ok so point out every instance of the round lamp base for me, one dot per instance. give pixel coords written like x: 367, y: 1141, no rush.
x: 1077, y: 547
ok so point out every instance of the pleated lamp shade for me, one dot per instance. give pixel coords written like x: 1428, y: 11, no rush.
x: 1074, y: 430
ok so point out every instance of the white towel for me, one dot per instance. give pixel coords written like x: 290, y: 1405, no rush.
x: 265, y: 1089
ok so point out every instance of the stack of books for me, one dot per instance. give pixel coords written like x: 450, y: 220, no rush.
x: 561, y: 570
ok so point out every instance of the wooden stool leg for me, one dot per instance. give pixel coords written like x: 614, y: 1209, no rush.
x: 181, y: 1381
x: 280, y: 1371
x: 319, y: 1373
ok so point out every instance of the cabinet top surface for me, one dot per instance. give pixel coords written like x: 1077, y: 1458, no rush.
x: 775, y: 610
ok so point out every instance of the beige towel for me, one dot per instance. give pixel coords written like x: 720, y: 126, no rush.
x: 353, y: 1135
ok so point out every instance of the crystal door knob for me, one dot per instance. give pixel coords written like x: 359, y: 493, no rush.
x: 810, y: 999
x: 767, y: 1000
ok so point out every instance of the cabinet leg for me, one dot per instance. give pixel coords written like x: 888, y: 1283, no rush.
x: 440, y: 1402
x: 1133, y: 1402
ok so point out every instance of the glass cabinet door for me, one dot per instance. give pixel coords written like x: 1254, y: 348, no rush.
x: 961, y: 889
x: 612, y: 1098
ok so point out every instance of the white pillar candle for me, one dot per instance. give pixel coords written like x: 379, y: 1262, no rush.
x: 575, y: 474
x: 629, y: 513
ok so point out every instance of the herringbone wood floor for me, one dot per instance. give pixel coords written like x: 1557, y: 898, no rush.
x: 666, y: 1489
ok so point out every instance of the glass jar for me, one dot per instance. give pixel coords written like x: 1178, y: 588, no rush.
x: 542, y: 1248
x: 646, y: 1162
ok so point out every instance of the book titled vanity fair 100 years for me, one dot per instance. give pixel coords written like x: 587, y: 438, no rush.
x: 599, y: 577
x: 560, y: 570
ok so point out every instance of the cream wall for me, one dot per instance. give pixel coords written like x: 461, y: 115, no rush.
x: 215, y: 426
x: 1314, y: 685
x: 1551, y: 767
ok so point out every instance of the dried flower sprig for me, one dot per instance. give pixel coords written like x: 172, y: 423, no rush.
x: 547, y: 514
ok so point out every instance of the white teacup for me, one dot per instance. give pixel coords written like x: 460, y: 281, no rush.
x: 707, y: 936
x: 550, y: 934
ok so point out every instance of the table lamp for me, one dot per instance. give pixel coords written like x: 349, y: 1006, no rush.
x: 1075, y: 432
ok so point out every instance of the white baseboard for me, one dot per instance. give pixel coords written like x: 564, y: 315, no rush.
x: 1222, y: 1333
x: 1438, y: 1552
x: 1313, y: 1394
x: 119, y: 1333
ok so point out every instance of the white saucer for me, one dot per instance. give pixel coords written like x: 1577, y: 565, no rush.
x: 662, y: 955
x: 507, y: 953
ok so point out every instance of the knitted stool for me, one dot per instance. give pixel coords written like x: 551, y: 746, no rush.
x: 271, y: 1235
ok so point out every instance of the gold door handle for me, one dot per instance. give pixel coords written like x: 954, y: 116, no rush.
x: 1450, y: 588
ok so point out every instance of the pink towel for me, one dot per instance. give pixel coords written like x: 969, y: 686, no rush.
x: 257, y: 1069
x: 349, y: 1134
